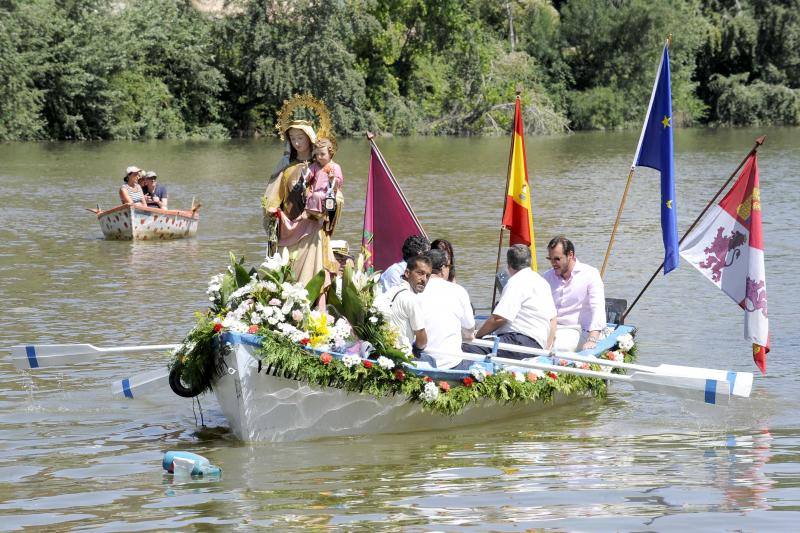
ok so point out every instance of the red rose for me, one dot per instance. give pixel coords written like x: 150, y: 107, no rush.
x: 468, y: 381
x: 552, y: 375
x: 532, y: 377
x: 252, y: 329
x: 445, y: 386
x: 399, y: 375
x: 428, y: 379
x: 304, y: 342
x: 367, y: 364
x: 326, y: 358
x: 217, y: 327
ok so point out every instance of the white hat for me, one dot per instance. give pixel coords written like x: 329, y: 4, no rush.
x: 131, y: 169
x: 150, y: 174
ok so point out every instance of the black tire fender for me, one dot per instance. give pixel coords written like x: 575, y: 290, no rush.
x: 177, y: 385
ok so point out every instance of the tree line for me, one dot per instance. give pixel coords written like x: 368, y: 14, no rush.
x: 144, y: 69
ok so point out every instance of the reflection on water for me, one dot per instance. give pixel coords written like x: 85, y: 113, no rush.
x: 72, y: 454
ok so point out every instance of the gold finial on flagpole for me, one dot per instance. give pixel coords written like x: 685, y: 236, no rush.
x: 669, y: 40
x: 519, y: 89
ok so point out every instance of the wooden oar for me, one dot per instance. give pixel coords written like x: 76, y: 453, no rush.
x: 710, y: 391
x: 133, y: 386
x: 30, y: 356
x: 741, y: 382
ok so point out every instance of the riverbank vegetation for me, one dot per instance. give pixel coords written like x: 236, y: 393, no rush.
x: 142, y: 69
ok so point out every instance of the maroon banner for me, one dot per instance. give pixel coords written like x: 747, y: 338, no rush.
x: 388, y: 217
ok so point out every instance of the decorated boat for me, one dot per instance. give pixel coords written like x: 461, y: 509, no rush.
x: 270, y: 402
x: 137, y: 222
x: 283, y: 370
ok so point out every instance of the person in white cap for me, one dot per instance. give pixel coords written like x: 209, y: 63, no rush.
x: 131, y: 192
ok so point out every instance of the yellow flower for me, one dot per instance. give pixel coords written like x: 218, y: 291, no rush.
x: 318, y: 331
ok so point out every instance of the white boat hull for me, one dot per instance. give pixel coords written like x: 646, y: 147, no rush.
x: 265, y: 407
x: 141, y: 223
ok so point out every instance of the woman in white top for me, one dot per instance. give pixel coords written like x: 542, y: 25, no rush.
x: 131, y: 192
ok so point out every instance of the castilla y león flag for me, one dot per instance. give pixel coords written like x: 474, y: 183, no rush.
x: 727, y: 248
x: 517, y: 214
x: 388, y: 217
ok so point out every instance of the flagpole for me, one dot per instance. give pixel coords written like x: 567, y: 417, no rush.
x: 505, y: 193
x: 759, y: 142
x: 616, y: 222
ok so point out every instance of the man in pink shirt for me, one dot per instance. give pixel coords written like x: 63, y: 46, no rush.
x: 579, y: 297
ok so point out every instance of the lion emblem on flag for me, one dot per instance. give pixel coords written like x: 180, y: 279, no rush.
x: 757, y: 294
x: 722, y: 252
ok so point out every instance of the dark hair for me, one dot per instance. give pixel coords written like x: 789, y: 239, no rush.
x: 446, y: 247
x: 416, y: 260
x: 438, y: 260
x: 414, y: 246
x: 518, y: 257
x: 566, y: 244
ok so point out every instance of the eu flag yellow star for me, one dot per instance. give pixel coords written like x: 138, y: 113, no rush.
x: 666, y: 121
x: 669, y: 204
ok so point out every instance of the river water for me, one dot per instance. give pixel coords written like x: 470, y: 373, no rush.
x: 71, y: 456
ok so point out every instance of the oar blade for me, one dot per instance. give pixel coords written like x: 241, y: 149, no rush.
x: 741, y: 382
x: 32, y: 356
x: 139, y: 384
x: 711, y: 391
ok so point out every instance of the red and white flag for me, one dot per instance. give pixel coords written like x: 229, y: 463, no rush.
x: 727, y: 247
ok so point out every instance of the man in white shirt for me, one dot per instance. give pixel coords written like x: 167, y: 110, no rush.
x: 525, y: 314
x: 404, y: 302
x: 578, y: 295
x: 413, y: 246
x: 448, y: 314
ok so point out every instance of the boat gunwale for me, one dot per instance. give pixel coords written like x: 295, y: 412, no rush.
x: 194, y: 215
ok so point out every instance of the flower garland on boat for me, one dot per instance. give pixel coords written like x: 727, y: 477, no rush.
x: 328, y: 348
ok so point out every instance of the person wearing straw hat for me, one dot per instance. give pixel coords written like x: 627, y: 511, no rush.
x: 131, y: 192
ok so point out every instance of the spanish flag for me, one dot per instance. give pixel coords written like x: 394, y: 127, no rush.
x: 517, y: 214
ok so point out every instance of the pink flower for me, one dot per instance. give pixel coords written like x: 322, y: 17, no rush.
x: 532, y: 377
x: 445, y: 386
x: 563, y: 362
x: 326, y: 358
x: 297, y: 315
x: 252, y: 329
x: 585, y: 366
x: 275, y: 302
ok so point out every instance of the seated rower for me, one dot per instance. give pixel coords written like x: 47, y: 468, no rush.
x: 578, y: 295
x: 404, y: 302
x: 525, y: 314
x: 448, y: 317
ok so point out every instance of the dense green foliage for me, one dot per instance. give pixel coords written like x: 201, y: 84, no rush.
x: 139, y: 69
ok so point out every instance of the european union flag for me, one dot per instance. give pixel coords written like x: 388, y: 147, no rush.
x: 655, y: 151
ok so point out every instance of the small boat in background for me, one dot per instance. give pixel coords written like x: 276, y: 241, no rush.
x: 136, y: 222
